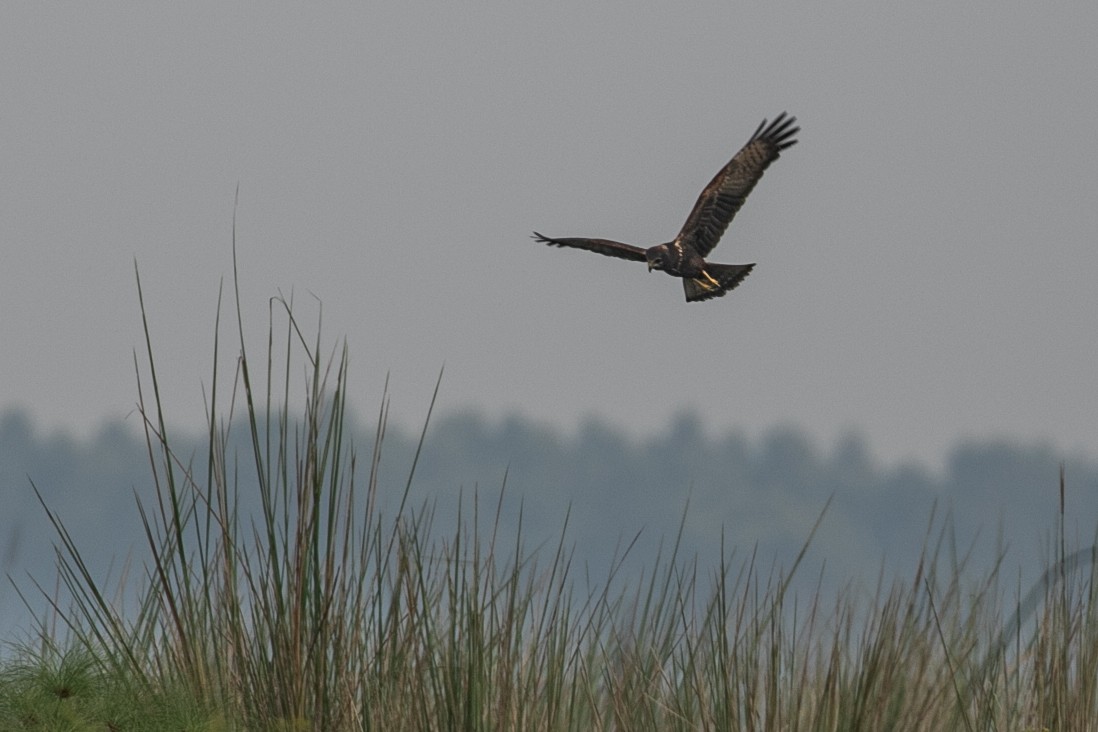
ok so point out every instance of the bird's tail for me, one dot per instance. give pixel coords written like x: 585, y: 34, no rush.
x: 716, y: 280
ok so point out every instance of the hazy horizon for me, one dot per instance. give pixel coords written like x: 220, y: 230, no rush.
x: 598, y: 488
x: 933, y: 463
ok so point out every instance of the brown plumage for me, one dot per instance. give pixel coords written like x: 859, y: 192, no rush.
x: 684, y: 256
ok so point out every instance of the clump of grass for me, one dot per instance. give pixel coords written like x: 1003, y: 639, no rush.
x: 321, y: 611
x: 47, y: 688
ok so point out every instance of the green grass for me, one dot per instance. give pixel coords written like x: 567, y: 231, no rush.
x: 324, y: 612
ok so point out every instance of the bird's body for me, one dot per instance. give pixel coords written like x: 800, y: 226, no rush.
x: 684, y: 256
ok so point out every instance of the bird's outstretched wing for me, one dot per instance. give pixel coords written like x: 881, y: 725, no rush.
x: 718, y: 203
x: 602, y: 246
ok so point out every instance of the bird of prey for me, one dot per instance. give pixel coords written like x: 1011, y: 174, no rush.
x: 684, y: 256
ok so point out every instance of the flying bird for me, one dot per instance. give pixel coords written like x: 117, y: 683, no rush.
x: 684, y: 256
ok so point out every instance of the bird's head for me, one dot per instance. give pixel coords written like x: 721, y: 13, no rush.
x: 657, y: 257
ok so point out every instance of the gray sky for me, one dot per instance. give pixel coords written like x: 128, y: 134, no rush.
x: 926, y: 254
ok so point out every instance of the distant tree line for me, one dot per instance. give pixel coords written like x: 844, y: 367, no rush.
x: 756, y: 496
